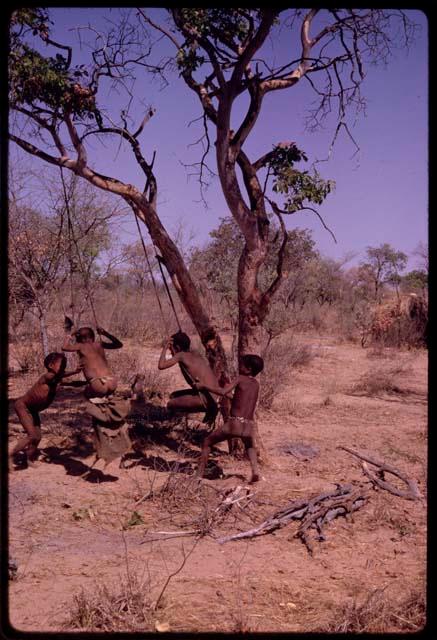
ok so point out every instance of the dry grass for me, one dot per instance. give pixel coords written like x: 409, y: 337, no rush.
x: 281, y: 357
x: 125, y: 607
x: 379, y: 615
x: 28, y: 355
x: 380, y: 379
x: 378, y: 352
x: 126, y: 363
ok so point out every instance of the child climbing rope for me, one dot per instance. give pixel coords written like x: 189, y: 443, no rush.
x: 36, y: 399
x: 100, y: 381
x: 192, y: 366
x: 240, y: 423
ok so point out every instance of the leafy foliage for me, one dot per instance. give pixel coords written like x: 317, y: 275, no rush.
x: 298, y: 186
x: 36, y: 79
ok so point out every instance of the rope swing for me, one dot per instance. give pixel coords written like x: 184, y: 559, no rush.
x: 160, y: 261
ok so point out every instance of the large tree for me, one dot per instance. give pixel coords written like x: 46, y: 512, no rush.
x: 221, y: 57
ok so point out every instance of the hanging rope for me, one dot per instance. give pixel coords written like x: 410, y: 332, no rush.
x: 160, y: 260
x: 152, y: 277
x: 82, y: 268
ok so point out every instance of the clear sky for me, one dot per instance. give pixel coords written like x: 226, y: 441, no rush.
x: 381, y: 193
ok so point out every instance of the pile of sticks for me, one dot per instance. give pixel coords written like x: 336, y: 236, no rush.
x: 313, y: 513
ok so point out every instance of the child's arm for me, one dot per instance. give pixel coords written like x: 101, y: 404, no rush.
x: 71, y: 373
x: 163, y: 363
x: 221, y: 391
x: 68, y: 345
x: 115, y: 342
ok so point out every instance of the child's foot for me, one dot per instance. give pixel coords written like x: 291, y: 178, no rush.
x: 33, y: 464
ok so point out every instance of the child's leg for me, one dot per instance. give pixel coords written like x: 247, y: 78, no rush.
x: 213, y: 438
x: 185, y: 401
x: 31, y: 423
x: 251, y: 452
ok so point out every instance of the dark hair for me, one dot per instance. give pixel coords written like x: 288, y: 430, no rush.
x: 254, y: 363
x: 209, y: 334
x: 85, y: 332
x: 51, y: 358
x: 181, y: 340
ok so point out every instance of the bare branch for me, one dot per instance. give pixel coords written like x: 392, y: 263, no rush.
x: 158, y: 27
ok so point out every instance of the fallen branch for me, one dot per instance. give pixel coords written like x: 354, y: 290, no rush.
x: 377, y: 478
x: 160, y: 536
x: 314, y: 513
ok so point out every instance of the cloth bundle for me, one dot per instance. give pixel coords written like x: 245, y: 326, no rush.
x: 112, y: 438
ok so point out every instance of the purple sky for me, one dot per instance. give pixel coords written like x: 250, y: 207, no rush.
x: 381, y: 194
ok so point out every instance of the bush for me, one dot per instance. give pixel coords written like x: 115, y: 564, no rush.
x: 380, y: 379
x: 29, y: 356
x: 278, y: 360
x: 126, y: 607
x: 124, y: 364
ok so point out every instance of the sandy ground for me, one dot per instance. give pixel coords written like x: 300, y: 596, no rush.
x: 70, y: 534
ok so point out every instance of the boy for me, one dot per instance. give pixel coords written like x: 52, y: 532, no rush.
x: 38, y: 398
x: 101, y: 382
x: 240, y: 423
x: 192, y: 367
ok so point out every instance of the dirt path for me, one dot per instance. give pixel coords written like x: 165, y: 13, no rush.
x: 69, y: 534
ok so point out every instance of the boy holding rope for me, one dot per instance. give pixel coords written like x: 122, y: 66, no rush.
x: 192, y: 367
x: 100, y: 381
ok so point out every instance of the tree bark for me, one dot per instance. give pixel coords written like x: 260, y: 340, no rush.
x: 251, y: 334
x: 187, y: 291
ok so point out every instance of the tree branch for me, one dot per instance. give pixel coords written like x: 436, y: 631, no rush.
x: 280, y: 274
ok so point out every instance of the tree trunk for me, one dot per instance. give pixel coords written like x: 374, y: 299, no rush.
x: 251, y: 334
x: 187, y: 292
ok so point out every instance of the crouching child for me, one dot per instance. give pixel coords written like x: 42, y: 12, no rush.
x: 36, y: 399
x: 240, y: 423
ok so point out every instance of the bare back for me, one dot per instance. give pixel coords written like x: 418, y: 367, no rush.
x: 245, y: 397
x: 197, y: 368
x: 93, y: 361
x: 41, y: 394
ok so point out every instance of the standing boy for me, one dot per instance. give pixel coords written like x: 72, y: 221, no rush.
x: 193, y: 367
x: 39, y: 397
x: 240, y: 423
x: 101, y: 382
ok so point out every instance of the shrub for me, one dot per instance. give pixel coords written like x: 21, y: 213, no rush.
x: 126, y: 607
x: 380, y: 379
x: 28, y: 355
x: 278, y: 360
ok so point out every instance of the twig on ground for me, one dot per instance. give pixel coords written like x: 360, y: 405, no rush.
x: 178, y: 570
x: 377, y: 478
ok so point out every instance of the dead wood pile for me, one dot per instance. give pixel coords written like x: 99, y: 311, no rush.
x: 314, y: 513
